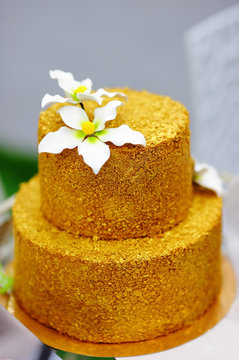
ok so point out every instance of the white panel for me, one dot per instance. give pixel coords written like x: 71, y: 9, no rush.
x: 213, y: 53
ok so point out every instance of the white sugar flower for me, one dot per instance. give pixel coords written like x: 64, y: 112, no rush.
x: 90, y: 137
x: 208, y: 177
x: 76, y: 91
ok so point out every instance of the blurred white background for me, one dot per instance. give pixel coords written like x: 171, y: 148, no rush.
x: 135, y: 43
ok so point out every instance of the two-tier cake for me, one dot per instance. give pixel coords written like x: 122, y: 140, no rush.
x: 127, y: 250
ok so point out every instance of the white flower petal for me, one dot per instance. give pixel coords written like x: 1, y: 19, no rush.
x: 69, y: 86
x: 121, y: 135
x: 60, y: 75
x: 52, y: 99
x: 88, y: 83
x: 95, y: 153
x: 73, y: 116
x: 105, y: 113
x: 208, y: 177
x: 85, y: 97
x: 65, y: 80
x: 64, y: 138
x: 102, y: 92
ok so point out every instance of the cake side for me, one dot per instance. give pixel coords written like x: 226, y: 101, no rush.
x: 116, y: 291
x: 139, y: 191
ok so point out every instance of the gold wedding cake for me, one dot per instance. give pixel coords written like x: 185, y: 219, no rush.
x: 130, y: 252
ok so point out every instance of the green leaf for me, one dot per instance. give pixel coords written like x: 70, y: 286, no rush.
x: 69, y: 356
x: 6, y: 282
x: 16, y: 167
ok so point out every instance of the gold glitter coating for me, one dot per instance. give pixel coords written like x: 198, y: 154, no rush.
x: 116, y: 291
x: 139, y: 191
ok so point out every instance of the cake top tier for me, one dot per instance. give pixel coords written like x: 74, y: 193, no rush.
x: 139, y: 190
x: 158, y: 118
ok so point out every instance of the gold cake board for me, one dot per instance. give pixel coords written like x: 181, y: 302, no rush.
x: 55, y: 340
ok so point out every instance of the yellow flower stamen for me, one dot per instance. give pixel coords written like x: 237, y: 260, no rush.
x: 80, y: 89
x: 88, y: 127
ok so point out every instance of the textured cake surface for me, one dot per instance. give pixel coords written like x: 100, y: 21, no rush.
x: 139, y: 190
x: 114, y: 291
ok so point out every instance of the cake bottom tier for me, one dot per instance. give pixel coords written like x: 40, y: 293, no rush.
x: 116, y: 291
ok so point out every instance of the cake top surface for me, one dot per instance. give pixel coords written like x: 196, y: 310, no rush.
x: 204, y: 214
x: 157, y: 117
